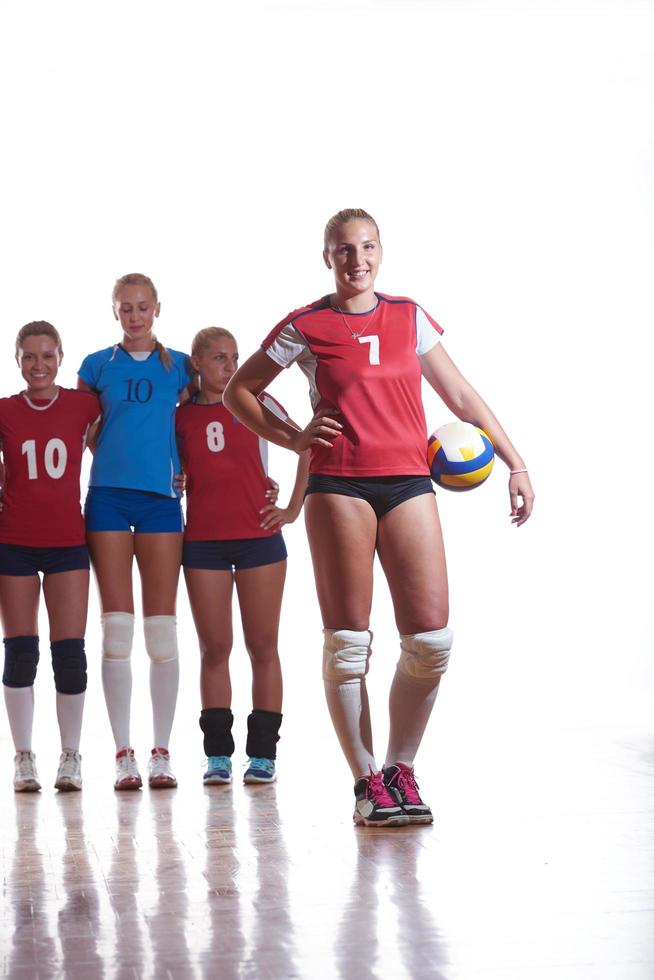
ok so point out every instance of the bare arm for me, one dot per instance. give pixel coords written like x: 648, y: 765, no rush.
x: 241, y: 398
x: 462, y: 399
x: 273, y: 516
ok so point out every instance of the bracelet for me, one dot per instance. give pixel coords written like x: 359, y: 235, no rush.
x: 513, y: 472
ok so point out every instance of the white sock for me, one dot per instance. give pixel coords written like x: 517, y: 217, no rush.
x: 409, y: 705
x: 117, y: 684
x: 350, y: 714
x: 20, y: 711
x: 70, y: 709
x: 164, y: 683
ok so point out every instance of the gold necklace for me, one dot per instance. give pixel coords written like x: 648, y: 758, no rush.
x: 355, y: 334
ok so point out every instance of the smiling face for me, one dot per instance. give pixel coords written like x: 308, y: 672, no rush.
x: 39, y: 358
x: 215, y: 363
x: 353, y: 254
x: 135, y: 307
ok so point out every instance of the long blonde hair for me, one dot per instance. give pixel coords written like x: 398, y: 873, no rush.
x: 139, y: 279
x: 348, y: 214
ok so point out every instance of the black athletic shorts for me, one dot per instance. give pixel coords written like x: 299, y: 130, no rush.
x: 234, y: 555
x: 18, y: 559
x: 383, y: 493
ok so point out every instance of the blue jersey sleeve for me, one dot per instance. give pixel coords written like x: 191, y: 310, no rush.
x: 183, y: 367
x: 91, y: 367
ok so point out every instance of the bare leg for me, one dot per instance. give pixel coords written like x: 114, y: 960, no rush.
x: 411, y: 551
x: 342, y: 533
x: 210, y: 597
x: 260, y: 599
x: 112, y: 554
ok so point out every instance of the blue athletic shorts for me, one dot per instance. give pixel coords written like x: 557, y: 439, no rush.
x: 18, y: 559
x: 234, y: 555
x: 114, y: 509
x: 383, y: 493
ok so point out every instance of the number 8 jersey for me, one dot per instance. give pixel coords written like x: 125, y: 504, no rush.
x: 42, y: 447
x: 226, y: 467
x: 365, y: 365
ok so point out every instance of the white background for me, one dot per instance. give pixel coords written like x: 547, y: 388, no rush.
x: 507, y: 151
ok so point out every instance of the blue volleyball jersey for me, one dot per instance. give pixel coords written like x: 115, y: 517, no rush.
x: 136, y: 448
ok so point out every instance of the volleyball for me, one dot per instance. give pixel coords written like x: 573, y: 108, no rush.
x: 460, y: 456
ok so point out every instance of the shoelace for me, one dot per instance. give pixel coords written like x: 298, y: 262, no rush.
x: 68, y: 765
x: 160, y: 764
x: 26, y: 766
x: 218, y: 762
x: 408, y: 785
x: 377, y: 789
x: 127, y: 764
x: 266, y: 764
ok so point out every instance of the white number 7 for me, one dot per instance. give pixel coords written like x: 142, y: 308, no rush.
x: 373, y: 353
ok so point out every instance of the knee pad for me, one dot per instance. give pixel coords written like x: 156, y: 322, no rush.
x: 69, y: 666
x: 345, y: 655
x: 21, y: 659
x: 425, y: 655
x: 117, y: 635
x: 216, y: 725
x: 161, y: 638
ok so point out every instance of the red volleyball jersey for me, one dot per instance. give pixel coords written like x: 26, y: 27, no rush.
x: 42, y: 446
x: 226, y: 466
x: 367, y: 366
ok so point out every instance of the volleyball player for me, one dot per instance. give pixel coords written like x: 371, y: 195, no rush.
x: 43, y: 432
x: 233, y: 538
x: 369, y: 490
x: 133, y: 511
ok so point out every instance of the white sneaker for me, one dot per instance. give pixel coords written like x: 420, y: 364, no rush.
x: 69, y: 773
x: 160, y: 775
x: 26, y: 779
x: 127, y: 772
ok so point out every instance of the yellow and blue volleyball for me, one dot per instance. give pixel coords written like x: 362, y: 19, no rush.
x: 460, y: 456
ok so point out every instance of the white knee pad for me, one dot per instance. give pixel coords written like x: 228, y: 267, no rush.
x: 345, y: 655
x: 117, y: 635
x: 161, y: 638
x: 425, y: 655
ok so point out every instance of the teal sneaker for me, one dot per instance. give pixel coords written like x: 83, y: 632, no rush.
x: 219, y: 770
x: 260, y: 771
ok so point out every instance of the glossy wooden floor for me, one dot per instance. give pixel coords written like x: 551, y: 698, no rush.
x: 540, y: 865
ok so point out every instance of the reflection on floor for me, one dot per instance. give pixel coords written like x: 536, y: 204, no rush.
x: 540, y: 865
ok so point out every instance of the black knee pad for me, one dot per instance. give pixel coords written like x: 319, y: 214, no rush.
x: 263, y: 734
x: 216, y: 723
x: 69, y: 666
x: 21, y: 659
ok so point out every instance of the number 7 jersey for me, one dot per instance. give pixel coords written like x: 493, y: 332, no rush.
x: 42, y: 447
x: 367, y: 367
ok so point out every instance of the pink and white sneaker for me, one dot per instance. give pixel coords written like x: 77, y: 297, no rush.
x: 127, y: 772
x: 374, y: 806
x: 160, y: 774
x: 400, y: 782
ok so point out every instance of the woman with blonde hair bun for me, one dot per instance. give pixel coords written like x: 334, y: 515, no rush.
x: 233, y: 539
x: 369, y: 492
